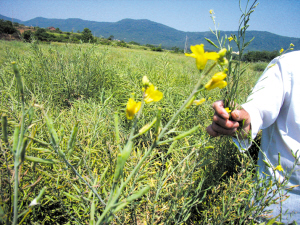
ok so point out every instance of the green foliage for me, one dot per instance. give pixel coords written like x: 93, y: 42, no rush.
x: 87, y: 36
x: 259, y: 66
x: 42, y: 35
x: 122, y: 44
x: 111, y: 37
x: 260, y: 56
x: 134, y: 43
x: 27, y: 35
x: 6, y: 27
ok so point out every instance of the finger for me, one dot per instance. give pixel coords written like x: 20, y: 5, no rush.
x: 240, y: 115
x: 211, y: 132
x: 225, y: 123
x: 218, y: 106
x: 221, y: 130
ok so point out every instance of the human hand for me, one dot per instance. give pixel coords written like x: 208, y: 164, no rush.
x: 222, y: 125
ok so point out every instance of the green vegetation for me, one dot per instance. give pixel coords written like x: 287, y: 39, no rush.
x: 260, y: 56
x: 7, y: 27
x: 88, y: 83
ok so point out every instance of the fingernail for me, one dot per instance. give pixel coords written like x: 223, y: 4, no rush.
x: 236, y: 114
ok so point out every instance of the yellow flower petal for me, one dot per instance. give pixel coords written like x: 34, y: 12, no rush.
x: 219, y: 76
x: 227, y: 110
x: 217, y: 81
x: 279, y: 168
x: 132, y: 108
x: 152, y: 94
x: 199, y: 102
x: 201, y: 56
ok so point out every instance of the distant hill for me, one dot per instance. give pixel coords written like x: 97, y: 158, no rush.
x: 10, y: 19
x: 149, y: 32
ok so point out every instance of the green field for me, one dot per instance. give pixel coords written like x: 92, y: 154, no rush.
x: 195, y: 179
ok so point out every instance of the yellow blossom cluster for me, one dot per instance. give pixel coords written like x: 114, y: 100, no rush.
x: 201, y: 60
x: 201, y: 56
x: 150, y: 94
x: 217, y: 81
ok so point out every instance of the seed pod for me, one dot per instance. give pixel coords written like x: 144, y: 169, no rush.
x: 187, y: 133
x: 117, y: 128
x: 211, y: 42
x: 16, y: 139
x: 266, y: 163
x: 4, y: 128
x: 122, y: 157
x: 30, y: 113
x: 138, y: 194
x: 171, y: 147
x: 190, y: 102
x: 72, y: 139
x: 147, y: 127
x: 121, y: 206
x: 19, y: 80
x: 24, y: 145
x: 54, y: 137
x: 53, y: 134
x: 38, y: 198
x: 71, y: 196
x: 92, y: 213
x: 158, y: 117
x: 39, y: 160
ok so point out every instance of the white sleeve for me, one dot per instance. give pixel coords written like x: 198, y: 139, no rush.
x: 265, y: 101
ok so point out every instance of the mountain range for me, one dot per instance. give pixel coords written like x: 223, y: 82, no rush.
x: 144, y: 31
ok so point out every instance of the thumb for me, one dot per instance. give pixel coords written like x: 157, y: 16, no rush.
x: 240, y: 115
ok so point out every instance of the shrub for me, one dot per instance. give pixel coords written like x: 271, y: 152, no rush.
x: 260, y: 66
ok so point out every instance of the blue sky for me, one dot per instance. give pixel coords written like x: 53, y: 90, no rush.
x: 277, y: 16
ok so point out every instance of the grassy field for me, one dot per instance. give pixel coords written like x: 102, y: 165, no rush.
x: 195, y: 179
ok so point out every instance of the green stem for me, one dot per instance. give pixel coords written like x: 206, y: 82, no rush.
x: 186, y: 101
x: 17, y: 163
x: 113, y: 199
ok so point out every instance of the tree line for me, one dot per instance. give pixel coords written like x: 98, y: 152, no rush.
x: 86, y: 36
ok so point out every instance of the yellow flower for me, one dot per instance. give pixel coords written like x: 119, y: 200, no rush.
x: 201, y: 56
x: 199, y: 102
x: 279, y: 168
x: 152, y: 94
x: 132, y: 108
x: 230, y: 39
x: 292, y: 45
x: 227, y: 110
x: 217, y: 81
x: 281, y: 50
x: 211, y: 11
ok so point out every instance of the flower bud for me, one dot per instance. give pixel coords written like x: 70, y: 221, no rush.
x: 146, y: 81
x: 222, y: 52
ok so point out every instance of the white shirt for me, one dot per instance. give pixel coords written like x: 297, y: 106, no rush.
x: 274, y: 107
